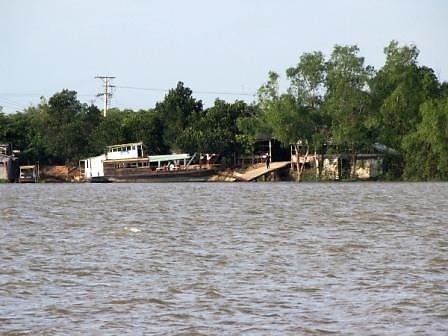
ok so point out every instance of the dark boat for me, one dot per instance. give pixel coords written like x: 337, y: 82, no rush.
x: 127, y: 163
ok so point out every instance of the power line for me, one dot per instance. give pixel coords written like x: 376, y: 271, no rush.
x: 19, y: 94
x: 227, y: 93
x: 140, y: 88
x: 8, y: 103
x: 13, y: 100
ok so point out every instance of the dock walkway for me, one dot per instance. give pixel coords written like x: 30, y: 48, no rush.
x: 255, y: 173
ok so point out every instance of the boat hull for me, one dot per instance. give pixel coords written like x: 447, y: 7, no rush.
x: 199, y: 175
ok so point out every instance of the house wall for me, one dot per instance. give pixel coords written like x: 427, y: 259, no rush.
x: 330, y: 169
x: 368, y: 168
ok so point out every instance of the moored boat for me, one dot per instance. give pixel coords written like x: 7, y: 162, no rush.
x: 127, y: 163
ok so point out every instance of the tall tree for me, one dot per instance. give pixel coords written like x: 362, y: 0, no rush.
x: 307, y: 86
x: 284, y: 116
x: 216, y: 130
x: 19, y: 128
x: 307, y: 79
x: 35, y: 149
x: 347, y: 99
x: 175, y: 111
x: 398, y: 90
x: 108, y: 132
x: 68, y: 126
x: 147, y: 127
x: 426, y: 149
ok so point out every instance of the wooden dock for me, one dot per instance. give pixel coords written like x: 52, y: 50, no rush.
x: 255, y: 173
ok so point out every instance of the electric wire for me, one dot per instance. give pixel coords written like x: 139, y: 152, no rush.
x: 227, y: 93
x: 9, y: 104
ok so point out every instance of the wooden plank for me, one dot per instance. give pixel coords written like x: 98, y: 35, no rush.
x: 257, y: 172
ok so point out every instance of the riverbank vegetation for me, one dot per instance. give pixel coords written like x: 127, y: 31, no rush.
x: 334, y: 104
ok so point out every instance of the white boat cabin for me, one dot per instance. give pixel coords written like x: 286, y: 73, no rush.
x: 94, y: 167
x: 125, y: 151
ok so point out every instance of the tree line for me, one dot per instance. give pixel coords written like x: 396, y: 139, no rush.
x: 335, y: 104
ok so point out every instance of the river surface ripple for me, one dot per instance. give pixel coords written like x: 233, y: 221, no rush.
x: 224, y: 259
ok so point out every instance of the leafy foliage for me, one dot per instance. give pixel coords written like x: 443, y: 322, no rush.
x: 216, y: 129
x: 347, y: 100
x: 426, y: 149
x: 175, y: 112
x: 338, y: 104
x: 307, y: 79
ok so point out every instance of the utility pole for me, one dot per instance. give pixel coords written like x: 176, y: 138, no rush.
x: 107, y: 94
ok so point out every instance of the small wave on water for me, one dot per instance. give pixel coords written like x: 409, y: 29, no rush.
x: 132, y: 229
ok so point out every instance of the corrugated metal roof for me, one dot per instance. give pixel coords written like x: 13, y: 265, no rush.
x: 169, y: 157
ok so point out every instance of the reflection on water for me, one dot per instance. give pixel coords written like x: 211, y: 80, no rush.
x: 223, y: 259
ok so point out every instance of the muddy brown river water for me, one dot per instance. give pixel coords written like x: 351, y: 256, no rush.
x: 224, y: 259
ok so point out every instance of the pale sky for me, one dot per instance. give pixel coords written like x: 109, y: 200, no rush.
x: 217, y: 48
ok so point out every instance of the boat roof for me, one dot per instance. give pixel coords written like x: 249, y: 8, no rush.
x: 128, y: 160
x: 154, y: 158
x: 168, y: 157
x: 126, y: 145
x: 28, y: 167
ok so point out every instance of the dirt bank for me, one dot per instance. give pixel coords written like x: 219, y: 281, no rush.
x: 59, y: 174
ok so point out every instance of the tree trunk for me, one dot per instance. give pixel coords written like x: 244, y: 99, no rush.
x: 353, y: 163
x: 300, y: 169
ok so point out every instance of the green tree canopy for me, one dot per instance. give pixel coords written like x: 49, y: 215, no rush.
x: 216, y: 129
x: 307, y: 79
x: 426, y: 148
x: 347, y: 100
x: 398, y: 90
x: 175, y: 111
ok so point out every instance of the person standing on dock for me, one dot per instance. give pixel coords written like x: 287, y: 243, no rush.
x: 268, y: 160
